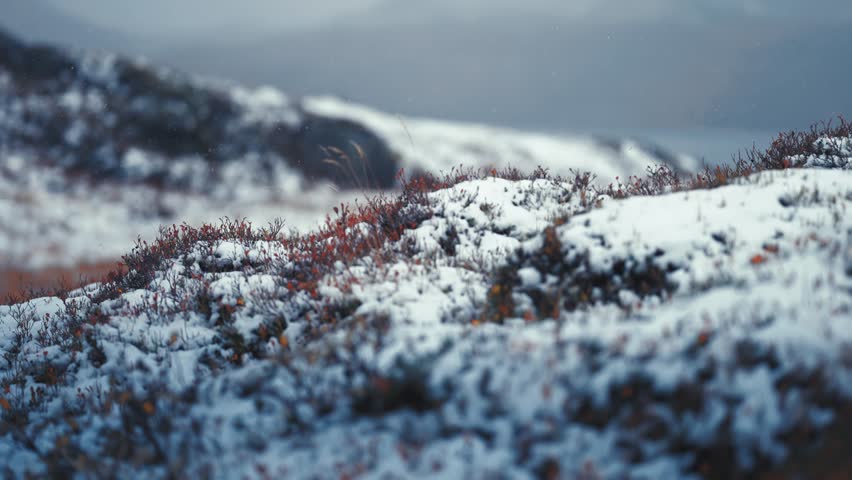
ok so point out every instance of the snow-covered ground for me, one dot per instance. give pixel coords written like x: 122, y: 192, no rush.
x: 97, y: 146
x: 63, y: 214
x: 49, y: 221
x: 520, y: 329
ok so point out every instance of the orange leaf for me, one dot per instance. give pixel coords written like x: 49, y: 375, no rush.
x: 148, y: 407
x: 5, y: 404
x: 757, y: 259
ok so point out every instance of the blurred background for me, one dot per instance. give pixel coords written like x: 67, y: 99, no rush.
x: 608, y: 86
x: 706, y: 69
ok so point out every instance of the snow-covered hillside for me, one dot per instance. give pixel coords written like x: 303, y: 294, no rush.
x: 93, y: 145
x: 436, y: 146
x: 480, y: 327
x: 499, y: 321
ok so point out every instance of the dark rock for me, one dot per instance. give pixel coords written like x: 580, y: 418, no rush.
x: 344, y: 152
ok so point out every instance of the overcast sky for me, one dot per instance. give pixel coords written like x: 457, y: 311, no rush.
x: 169, y: 16
x: 551, y: 64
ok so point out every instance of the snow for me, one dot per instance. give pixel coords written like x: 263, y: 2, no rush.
x: 66, y: 212
x: 759, y: 292
x: 835, y: 153
x: 47, y: 221
x: 439, y: 146
x: 265, y: 105
x: 523, y: 328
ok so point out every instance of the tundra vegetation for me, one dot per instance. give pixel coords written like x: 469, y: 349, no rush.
x: 483, y: 323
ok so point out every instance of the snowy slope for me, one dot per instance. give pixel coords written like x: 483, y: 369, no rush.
x: 94, y: 145
x: 434, y: 146
x: 50, y: 220
x: 500, y: 329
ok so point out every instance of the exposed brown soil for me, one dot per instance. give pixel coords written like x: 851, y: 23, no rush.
x: 16, y: 284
